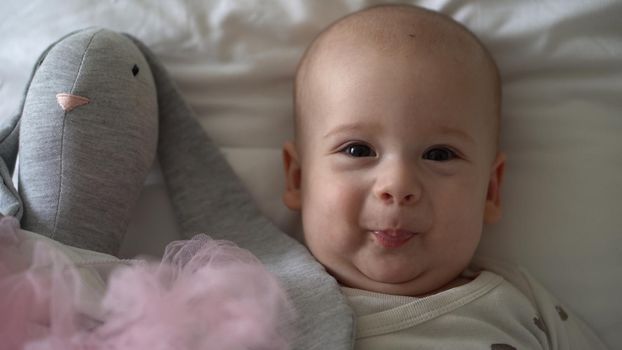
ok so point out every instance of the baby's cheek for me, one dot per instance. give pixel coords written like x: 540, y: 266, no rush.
x: 335, y: 220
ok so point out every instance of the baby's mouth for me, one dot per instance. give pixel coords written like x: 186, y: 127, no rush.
x: 392, y: 238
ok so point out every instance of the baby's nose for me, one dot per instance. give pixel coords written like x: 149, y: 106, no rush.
x: 398, y: 186
x: 69, y: 102
x: 400, y: 199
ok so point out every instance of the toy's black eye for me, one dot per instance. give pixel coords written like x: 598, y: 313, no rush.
x: 358, y: 150
x: 135, y: 70
x: 439, y: 154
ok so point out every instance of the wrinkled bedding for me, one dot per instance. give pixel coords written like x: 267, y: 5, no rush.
x: 234, y: 62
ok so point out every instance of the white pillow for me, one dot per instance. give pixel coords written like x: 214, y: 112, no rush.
x: 234, y: 62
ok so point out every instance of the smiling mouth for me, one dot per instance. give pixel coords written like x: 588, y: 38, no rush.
x: 392, y: 238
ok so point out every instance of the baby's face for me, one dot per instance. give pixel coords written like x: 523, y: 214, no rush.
x: 396, y: 170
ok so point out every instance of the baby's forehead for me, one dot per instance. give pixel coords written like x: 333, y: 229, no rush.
x: 397, y: 36
x: 396, y: 31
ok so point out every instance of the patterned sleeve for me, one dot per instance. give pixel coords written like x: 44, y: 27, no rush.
x: 564, y: 329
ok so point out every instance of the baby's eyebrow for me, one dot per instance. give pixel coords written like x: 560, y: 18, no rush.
x: 456, y: 132
x: 349, y: 127
x: 442, y: 129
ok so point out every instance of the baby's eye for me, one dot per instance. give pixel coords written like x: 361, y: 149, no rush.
x: 358, y: 150
x: 439, y: 154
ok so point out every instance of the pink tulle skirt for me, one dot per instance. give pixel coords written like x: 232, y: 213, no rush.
x: 204, y: 294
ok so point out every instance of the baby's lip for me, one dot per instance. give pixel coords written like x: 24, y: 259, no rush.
x: 392, y: 238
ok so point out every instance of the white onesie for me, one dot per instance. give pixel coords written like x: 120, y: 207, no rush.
x: 501, y: 310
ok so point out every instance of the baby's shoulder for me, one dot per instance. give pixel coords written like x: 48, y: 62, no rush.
x: 563, y: 328
x: 512, y: 273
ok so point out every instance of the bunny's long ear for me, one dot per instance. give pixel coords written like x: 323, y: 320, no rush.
x: 209, y: 197
x: 10, y: 201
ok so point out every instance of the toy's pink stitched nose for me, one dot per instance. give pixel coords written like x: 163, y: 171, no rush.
x: 69, y: 102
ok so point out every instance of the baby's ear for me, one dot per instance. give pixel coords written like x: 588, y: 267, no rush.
x: 492, y: 211
x: 291, y: 197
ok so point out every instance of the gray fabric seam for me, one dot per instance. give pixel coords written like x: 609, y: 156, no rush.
x: 62, y: 143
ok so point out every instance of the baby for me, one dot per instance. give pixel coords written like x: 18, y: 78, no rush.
x: 395, y: 168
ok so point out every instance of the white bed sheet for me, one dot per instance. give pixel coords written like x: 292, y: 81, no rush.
x: 234, y: 62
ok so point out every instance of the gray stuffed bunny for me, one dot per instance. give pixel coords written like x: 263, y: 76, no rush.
x: 98, y: 109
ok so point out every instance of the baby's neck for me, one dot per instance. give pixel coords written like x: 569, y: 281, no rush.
x: 457, y: 282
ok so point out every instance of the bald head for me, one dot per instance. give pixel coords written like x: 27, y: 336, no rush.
x: 405, y: 34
